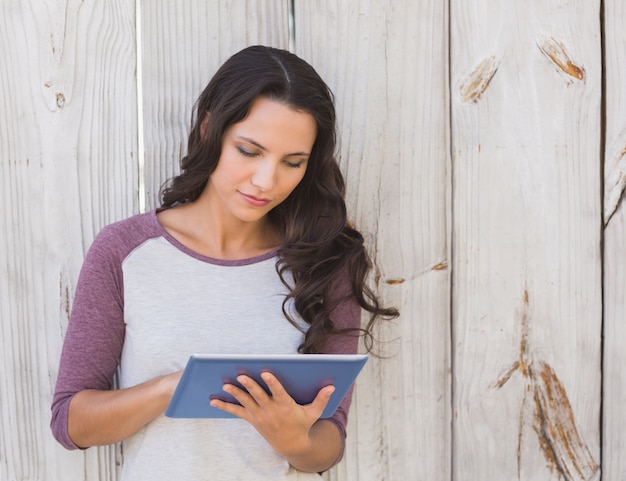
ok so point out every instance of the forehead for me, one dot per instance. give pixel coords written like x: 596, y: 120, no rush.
x: 277, y: 124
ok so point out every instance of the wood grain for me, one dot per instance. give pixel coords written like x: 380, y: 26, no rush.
x: 614, y: 381
x: 526, y: 242
x: 67, y: 160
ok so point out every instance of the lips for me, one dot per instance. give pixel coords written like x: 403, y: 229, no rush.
x: 255, y: 201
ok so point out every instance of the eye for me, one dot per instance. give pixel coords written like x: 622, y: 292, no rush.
x: 246, y: 152
x: 294, y: 164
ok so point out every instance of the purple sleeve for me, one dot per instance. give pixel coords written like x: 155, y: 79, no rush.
x: 95, y: 335
x: 347, y: 315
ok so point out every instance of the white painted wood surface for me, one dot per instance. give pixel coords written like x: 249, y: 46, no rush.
x: 526, y: 92
x: 67, y: 167
x: 493, y: 256
x: 387, y: 65
x: 614, y: 379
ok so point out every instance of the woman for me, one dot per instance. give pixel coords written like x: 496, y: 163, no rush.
x: 250, y: 252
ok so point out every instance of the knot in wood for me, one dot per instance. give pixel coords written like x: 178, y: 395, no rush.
x: 60, y: 100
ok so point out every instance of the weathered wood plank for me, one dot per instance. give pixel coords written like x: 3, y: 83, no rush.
x: 386, y: 62
x: 67, y: 155
x: 614, y: 383
x: 527, y: 315
x: 183, y: 44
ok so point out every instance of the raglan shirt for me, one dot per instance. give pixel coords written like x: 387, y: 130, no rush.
x: 144, y: 302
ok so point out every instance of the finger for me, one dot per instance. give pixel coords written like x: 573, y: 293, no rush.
x: 277, y: 390
x: 256, y: 392
x: 241, y: 395
x: 231, y: 408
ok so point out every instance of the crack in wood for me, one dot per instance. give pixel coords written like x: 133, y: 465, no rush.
x: 568, y: 454
x: 553, y: 417
x: 615, y: 187
x: 64, y: 294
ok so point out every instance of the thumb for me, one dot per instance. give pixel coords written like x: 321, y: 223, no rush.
x: 321, y: 400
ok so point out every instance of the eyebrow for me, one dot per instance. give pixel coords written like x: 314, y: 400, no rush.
x: 255, y: 143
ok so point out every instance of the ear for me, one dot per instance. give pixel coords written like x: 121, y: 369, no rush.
x: 203, y: 124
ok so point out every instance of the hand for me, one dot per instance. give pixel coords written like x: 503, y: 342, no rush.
x: 277, y: 417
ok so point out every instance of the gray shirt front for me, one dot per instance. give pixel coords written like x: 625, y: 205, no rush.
x: 145, y: 302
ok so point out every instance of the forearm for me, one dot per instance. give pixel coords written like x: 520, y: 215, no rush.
x: 322, y: 450
x: 106, y: 417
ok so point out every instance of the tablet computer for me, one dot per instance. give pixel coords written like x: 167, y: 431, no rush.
x: 302, y: 376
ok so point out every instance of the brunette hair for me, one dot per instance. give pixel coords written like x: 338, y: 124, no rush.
x: 318, y: 246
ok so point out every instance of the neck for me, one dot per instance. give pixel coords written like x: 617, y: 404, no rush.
x: 197, y: 226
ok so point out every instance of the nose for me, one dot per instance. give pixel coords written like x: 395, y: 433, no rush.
x: 264, y: 176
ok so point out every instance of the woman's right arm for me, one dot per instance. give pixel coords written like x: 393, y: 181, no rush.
x: 99, y: 417
x: 86, y: 409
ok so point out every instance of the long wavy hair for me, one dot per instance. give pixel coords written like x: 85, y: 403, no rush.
x: 318, y: 245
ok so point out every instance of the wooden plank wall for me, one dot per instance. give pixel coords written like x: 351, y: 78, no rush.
x: 484, y: 147
x: 68, y: 166
x: 526, y: 91
x: 614, y: 223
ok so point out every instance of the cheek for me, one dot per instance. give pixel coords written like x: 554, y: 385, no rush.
x: 297, y: 181
x: 299, y: 176
x: 229, y: 170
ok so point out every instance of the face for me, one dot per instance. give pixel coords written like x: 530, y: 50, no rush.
x: 264, y: 157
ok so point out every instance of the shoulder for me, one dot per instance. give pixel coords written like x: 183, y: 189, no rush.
x: 115, y: 241
x: 131, y: 231
x: 138, y: 227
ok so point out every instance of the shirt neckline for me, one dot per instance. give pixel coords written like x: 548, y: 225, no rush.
x: 201, y: 257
